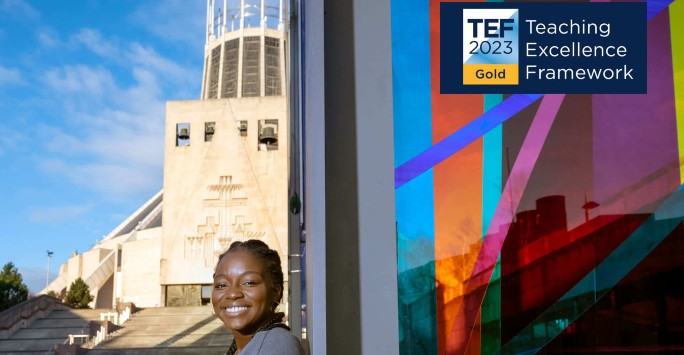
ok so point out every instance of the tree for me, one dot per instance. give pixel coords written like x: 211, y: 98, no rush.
x: 12, y: 287
x: 79, y: 295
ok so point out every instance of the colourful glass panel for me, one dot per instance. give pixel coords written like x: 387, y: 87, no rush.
x: 523, y: 221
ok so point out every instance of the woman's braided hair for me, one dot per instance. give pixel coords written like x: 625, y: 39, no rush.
x: 268, y: 256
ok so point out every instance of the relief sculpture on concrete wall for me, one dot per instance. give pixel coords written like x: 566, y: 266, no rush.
x: 183, y: 295
x: 227, y: 220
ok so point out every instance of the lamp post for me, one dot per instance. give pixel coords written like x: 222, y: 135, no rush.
x: 47, y: 274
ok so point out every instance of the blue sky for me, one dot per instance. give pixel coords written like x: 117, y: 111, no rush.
x: 83, y: 86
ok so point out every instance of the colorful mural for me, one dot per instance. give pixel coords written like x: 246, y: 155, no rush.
x: 538, y: 223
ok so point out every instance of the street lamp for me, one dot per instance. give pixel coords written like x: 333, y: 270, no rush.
x: 47, y: 275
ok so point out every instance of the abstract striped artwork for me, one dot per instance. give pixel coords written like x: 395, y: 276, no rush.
x: 533, y: 223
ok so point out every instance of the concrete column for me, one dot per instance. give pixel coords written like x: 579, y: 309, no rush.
x: 208, y: 23
x: 211, y: 19
x: 204, y: 74
x: 242, y: 14
x: 314, y: 206
x: 225, y: 16
x: 284, y: 82
x: 219, y: 90
x: 280, y: 16
x: 295, y: 221
x: 262, y: 54
x: 240, y: 47
x: 262, y: 19
x: 360, y: 237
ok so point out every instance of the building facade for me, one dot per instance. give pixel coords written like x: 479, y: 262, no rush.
x: 225, y: 173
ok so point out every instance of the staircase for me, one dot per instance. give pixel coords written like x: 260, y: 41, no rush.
x: 171, y: 330
x: 46, y: 332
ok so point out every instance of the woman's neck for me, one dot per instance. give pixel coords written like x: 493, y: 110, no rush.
x: 241, y: 340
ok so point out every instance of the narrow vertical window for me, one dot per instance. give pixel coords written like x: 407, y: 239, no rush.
x: 250, y: 66
x: 182, y: 134
x: 268, y: 135
x: 214, y: 73
x: 242, y: 127
x: 209, y: 129
x: 272, y: 58
x: 230, y: 68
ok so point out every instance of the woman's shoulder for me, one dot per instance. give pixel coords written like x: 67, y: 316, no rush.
x: 281, y: 341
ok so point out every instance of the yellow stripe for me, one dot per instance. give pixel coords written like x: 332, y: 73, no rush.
x: 676, y: 34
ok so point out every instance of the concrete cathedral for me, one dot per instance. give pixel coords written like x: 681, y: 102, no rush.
x: 225, y: 174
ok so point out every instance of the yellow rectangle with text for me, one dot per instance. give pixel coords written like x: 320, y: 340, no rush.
x: 490, y: 74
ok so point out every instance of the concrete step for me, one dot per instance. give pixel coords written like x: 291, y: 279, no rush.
x: 173, y: 319
x: 204, y: 350
x: 166, y: 341
x: 176, y: 310
x: 40, y: 333
x: 90, y: 314
x: 59, y: 323
x: 44, y: 344
x: 46, y: 332
x: 160, y: 329
x: 177, y: 330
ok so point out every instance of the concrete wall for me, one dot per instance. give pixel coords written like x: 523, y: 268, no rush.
x: 105, y: 295
x: 224, y: 190
x: 139, y: 275
x: 74, y: 268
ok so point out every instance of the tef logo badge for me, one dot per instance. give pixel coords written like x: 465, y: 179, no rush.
x: 490, y: 46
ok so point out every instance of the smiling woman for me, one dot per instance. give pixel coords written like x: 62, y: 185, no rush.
x: 248, y: 286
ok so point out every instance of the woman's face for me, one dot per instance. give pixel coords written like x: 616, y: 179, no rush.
x: 243, y: 293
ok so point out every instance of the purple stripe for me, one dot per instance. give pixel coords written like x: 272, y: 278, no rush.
x: 654, y: 7
x: 461, y: 138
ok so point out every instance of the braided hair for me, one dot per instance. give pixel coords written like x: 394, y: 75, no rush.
x: 268, y: 256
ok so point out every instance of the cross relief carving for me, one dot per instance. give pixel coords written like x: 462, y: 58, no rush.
x: 226, y: 221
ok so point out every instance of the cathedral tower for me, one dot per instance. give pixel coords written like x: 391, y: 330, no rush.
x: 225, y: 168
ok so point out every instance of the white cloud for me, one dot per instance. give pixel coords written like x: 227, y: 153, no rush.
x: 110, y: 138
x: 59, y: 141
x: 137, y: 56
x: 18, y: 8
x: 94, y: 41
x: 116, y: 180
x: 148, y: 58
x: 114, y: 142
x: 48, y: 38
x: 80, y: 79
x: 10, y: 139
x: 58, y: 213
x: 173, y: 20
x: 10, y: 76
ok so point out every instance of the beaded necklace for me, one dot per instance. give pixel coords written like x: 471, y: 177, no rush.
x: 275, y: 322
